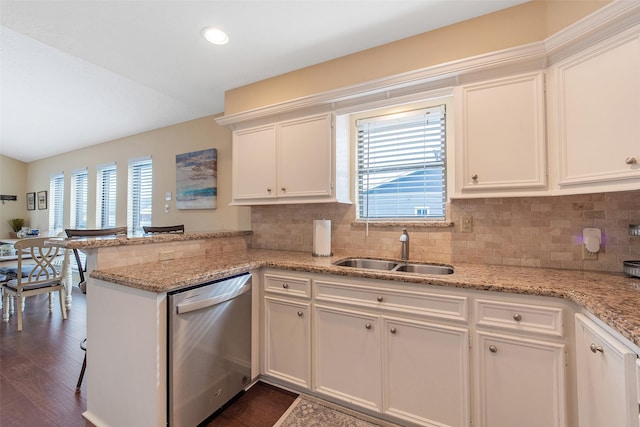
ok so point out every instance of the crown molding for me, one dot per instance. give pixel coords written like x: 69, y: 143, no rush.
x: 606, y: 21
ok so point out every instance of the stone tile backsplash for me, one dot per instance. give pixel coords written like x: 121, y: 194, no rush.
x: 520, y: 231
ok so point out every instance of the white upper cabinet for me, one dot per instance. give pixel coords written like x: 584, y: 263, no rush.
x: 595, y: 120
x: 291, y: 161
x: 500, y: 137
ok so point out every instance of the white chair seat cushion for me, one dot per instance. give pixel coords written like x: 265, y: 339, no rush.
x: 13, y: 284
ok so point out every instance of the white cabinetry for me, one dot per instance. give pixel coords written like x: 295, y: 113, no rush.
x: 383, y: 349
x: 500, y: 137
x: 287, y: 326
x: 606, y: 370
x: 520, y: 377
x: 595, y: 109
x: 291, y: 161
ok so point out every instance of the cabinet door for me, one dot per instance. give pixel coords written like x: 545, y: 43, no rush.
x: 288, y: 341
x: 597, y: 102
x: 304, y: 157
x: 347, y: 349
x: 254, y: 163
x: 502, y: 132
x: 520, y: 382
x: 426, y: 372
x: 607, y: 393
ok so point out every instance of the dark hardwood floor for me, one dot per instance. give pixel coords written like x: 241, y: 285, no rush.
x: 39, y: 368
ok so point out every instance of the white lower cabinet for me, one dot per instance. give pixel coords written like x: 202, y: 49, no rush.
x: 606, y: 371
x: 347, y: 344
x: 520, y: 382
x: 426, y: 372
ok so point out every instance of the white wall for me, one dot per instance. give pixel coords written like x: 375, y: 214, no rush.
x: 162, y: 145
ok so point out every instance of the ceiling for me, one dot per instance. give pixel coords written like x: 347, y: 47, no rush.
x: 79, y: 73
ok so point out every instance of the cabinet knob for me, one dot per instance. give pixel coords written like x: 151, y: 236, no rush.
x: 631, y: 160
x: 283, y: 188
x: 299, y: 314
x: 493, y: 349
x: 474, y: 177
x: 285, y: 285
x: 368, y: 326
x: 517, y: 317
x: 268, y: 190
x: 595, y: 348
x: 392, y: 330
x: 379, y: 299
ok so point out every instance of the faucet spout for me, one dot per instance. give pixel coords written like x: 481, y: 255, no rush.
x: 404, y: 245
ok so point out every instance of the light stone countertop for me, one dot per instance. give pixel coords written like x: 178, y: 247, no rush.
x: 612, y: 297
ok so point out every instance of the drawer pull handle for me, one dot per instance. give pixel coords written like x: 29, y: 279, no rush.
x: 379, y: 299
x: 631, y: 160
x: 517, y: 317
x: 285, y: 285
x: 595, y: 348
x: 493, y: 349
x: 368, y: 326
x: 392, y: 330
x: 299, y: 314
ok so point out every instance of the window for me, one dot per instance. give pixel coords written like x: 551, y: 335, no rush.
x: 79, y: 199
x: 106, y: 196
x: 401, y: 165
x: 56, y: 204
x: 139, y: 195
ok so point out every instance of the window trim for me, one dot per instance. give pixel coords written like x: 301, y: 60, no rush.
x: 379, y: 108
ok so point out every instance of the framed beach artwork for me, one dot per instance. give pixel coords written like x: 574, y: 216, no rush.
x: 42, y: 200
x: 196, y: 179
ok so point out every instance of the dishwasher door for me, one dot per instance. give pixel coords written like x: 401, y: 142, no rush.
x: 209, y: 354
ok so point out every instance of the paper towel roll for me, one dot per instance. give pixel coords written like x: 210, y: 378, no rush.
x: 322, y: 237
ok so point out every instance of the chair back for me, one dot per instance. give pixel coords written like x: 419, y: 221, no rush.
x: 45, y: 259
x: 165, y: 229
x: 114, y: 231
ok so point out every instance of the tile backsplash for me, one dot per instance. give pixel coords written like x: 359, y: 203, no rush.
x: 527, y: 231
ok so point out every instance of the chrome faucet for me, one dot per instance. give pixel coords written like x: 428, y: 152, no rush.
x: 404, y: 248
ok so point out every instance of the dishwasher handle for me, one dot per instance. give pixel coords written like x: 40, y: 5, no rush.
x: 208, y: 302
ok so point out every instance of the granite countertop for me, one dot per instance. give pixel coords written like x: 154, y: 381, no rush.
x: 121, y: 240
x: 612, y: 297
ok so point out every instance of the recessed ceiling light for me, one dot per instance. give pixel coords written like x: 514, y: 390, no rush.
x: 215, y: 35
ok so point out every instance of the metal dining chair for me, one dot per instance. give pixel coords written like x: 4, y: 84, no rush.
x: 148, y: 229
x: 82, y: 269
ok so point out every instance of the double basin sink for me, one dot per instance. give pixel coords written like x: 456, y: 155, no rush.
x: 393, y: 266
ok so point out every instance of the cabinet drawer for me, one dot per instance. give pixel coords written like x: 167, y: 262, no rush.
x: 448, y: 307
x: 287, y: 285
x: 519, y: 317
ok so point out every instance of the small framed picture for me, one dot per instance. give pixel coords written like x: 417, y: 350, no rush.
x: 42, y: 200
x: 31, y: 201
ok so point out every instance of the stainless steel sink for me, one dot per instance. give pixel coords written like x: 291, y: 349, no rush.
x: 371, y: 264
x: 391, y: 266
x: 424, y: 268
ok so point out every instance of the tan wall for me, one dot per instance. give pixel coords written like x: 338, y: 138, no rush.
x: 13, y: 175
x: 519, y: 25
x: 162, y: 145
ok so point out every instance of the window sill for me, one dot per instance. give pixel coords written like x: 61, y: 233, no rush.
x: 402, y: 224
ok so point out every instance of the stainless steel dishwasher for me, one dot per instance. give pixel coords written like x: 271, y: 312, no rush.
x: 209, y: 347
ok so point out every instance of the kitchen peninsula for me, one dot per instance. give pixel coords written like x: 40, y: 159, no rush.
x: 126, y: 303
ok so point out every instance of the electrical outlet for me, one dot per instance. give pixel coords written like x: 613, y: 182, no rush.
x: 466, y: 225
x: 589, y: 256
x: 167, y: 255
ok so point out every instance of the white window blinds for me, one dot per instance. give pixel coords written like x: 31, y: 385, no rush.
x: 106, y: 196
x: 79, y: 187
x: 401, y: 165
x: 56, y: 204
x: 139, y: 206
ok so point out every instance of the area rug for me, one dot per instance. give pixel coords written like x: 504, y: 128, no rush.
x: 308, y: 412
